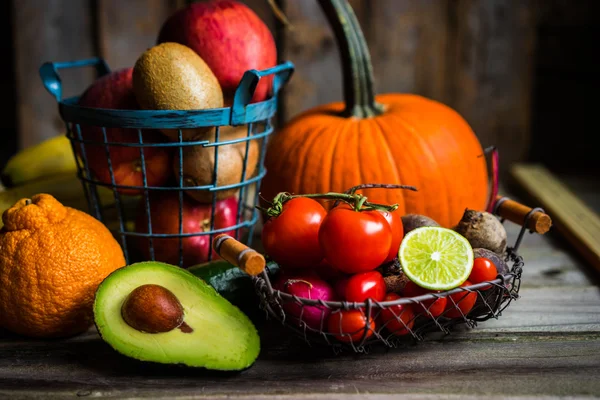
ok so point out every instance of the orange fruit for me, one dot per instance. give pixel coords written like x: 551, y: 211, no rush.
x: 52, y: 259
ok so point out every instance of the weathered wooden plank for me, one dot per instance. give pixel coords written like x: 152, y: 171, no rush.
x: 552, y: 366
x: 312, y: 48
x: 52, y: 30
x: 565, y: 309
x: 574, y: 219
x: 125, y: 31
x: 409, y: 44
x: 324, y: 396
x: 548, y: 259
x: 489, y: 75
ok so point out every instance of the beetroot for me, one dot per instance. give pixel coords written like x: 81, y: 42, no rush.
x: 308, y: 287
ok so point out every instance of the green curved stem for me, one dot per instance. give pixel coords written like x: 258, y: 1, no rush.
x: 359, y: 93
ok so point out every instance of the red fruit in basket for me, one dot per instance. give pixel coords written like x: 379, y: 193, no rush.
x: 349, y: 326
x: 292, y: 237
x: 164, y: 212
x: 459, y: 304
x: 115, y: 91
x: 365, y: 285
x: 394, y: 218
x: 355, y: 241
x: 398, y: 319
x: 306, y: 286
x: 428, y: 308
x: 483, y: 270
x: 230, y: 38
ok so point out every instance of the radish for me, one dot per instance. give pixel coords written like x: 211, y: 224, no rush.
x: 306, y: 286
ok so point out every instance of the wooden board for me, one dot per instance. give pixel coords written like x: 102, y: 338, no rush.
x: 545, y: 345
x: 123, y: 33
x: 53, y: 30
x: 312, y: 48
x: 550, y: 345
x: 409, y: 46
x: 574, y: 219
x: 490, y: 75
x: 475, y: 56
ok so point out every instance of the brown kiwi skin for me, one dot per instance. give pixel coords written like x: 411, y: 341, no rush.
x: 199, y: 162
x: 171, y: 76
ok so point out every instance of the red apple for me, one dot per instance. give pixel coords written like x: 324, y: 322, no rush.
x: 115, y: 91
x: 164, y: 211
x: 229, y: 37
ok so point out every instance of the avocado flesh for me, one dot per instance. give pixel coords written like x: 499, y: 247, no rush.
x: 223, y: 338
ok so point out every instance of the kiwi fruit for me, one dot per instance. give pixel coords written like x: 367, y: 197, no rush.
x: 199, y: 162
x: 171, y: 76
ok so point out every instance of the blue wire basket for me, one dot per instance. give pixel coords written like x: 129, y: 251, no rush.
x: 113, y: 204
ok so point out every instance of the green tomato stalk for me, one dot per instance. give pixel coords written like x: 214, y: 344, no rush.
x: 358, y: 201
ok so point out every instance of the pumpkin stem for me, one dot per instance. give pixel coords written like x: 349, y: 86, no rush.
x: 359, y: 92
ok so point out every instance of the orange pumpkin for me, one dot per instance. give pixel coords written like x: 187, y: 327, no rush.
x: 391, y: 138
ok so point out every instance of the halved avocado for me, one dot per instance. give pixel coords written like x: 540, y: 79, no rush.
x: 149, y: 297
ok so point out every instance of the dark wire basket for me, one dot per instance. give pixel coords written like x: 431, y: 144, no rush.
x: 118, y: 205
x: 493, y: 297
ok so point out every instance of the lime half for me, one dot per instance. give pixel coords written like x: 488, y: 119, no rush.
x: 436, y: 258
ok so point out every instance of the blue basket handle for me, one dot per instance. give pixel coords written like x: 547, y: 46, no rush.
x: 51, y: 78
x: 245, y: 90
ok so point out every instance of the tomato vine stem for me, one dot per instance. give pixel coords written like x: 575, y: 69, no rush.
x: 358, y: 201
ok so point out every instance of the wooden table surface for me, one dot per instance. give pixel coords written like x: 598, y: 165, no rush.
x: 546, y: 344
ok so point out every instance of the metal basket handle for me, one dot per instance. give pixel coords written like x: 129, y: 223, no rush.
x: 51, y: 78
x: 245, y: 90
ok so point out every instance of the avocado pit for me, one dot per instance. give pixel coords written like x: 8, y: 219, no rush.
x: 152, y: 309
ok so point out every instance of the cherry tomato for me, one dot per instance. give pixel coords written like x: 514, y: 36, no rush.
x: 464, y: 302
x: 483, y: 270
x: 397, y: 319
x: 395, y: 220
x: 292, y: 238
x: 355, y: 241
x: 349, y: 325
x: 364, y: 285
x: 435, y: 307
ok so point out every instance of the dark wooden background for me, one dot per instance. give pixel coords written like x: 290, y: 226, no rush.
x: 519, y: 71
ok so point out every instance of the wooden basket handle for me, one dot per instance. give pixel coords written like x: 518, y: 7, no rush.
x: 538, y: 222
x: 238, y: 254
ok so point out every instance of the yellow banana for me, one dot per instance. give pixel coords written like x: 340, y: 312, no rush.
x: 50, y: 157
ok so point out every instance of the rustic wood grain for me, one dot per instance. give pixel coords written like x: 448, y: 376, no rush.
x: 490, y: 75
x: 125, y: 32
x: 53, y: 30
x: 409, y: 45
x: 312, y: 48
x: 528, y: 365
x: 574, y: 219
